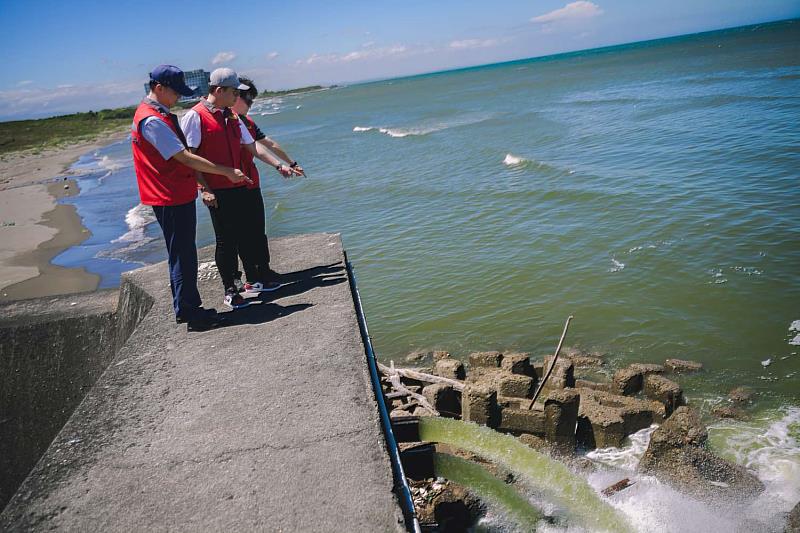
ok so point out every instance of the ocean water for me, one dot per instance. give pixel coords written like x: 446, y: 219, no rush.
x: 650, y: 190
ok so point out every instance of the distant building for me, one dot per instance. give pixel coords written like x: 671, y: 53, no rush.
x: 196, y: 80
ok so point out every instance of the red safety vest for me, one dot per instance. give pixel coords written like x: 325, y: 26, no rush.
x: 248, y: 161
x: 161, y: 181
x: 220, y: 143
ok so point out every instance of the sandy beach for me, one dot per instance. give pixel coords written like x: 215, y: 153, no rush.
x: 34, y: 228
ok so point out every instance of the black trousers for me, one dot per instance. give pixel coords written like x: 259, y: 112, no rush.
x: 235, y: 234
x: 256, y: 266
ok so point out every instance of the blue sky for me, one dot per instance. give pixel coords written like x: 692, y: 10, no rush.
x: 78, y: 55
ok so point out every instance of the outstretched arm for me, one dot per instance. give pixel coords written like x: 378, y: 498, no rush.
x: 202, y: 164
x: 267, y: 157
x: 275, y: 148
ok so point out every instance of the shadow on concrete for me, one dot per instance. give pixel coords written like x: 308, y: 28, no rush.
x: 308, y: 273
x: 263, y: 309
x: 260, y: 313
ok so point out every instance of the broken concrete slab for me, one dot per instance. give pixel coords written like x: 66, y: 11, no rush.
x: 518, y: 363
x: 606, y: 420
x: 485, y: 360
x: 444, y: 399
x: 681, y: 366
x: 519, y: 421
x: 665, y: 391
x: 450, y: 368
x: 505, y: 383
x: 561, y: 416
x: 563, y: 374
x: 479, y: 405
x: 627, y: 381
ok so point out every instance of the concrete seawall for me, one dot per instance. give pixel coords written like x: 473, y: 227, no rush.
x: 269, y: 423
x: 52, y: 350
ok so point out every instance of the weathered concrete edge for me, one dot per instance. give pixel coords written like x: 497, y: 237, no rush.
x: 135, y: 303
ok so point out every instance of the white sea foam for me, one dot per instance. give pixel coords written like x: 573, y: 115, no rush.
x: 626, y: 458
x: 512, y: 160
x: 618, y: 266
x: 770, y: 449
x: 137, y: 219
x: 427, y: 127
x: 795, y: 341
x: 794, y: 326
x: 109, y: 164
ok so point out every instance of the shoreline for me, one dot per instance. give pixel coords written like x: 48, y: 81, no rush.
x: 35, y: 228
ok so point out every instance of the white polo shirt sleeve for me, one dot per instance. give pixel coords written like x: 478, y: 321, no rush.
x: 246, y: 137
x: 190, y: 124
x: 161, y: 137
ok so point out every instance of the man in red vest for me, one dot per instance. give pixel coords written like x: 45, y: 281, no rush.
x: 254, y: 206
x: 166, y: 175
x: 214, y: 132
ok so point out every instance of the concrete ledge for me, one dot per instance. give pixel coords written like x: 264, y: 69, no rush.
x: 52, y: 350
x: 269, y: 423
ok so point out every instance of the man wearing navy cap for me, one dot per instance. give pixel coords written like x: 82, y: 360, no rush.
x: 165, y: 172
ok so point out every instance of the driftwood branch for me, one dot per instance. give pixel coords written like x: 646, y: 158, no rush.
x: 421, y: 376
x: 552, y: 364
x: 394, y: 379
x: 617, y: 487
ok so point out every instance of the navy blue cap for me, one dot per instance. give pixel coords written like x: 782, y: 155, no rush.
x: 172, y: 77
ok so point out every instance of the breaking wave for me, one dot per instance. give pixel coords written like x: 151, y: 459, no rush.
x: 426, y: 128
x: 137, y: 219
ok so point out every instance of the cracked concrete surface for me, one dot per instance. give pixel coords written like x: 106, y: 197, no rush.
x: 267, y: 424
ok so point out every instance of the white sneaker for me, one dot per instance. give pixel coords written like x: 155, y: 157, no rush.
x: 257, y: 287
x: 235, y: 300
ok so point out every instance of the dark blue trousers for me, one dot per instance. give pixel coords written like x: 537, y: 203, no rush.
x: 179, y: 224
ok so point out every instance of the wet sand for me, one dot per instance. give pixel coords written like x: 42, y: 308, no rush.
x: 34, y: 228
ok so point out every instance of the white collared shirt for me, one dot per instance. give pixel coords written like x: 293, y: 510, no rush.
x: 190, y: 124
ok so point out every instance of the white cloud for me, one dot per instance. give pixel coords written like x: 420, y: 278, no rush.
x: 272, y: 55
x: 473, y: 43
x: 356, y: 55
x: 223, y: 57
x: 368, y: 44
x: 581, y: 9
x: 23, y: 83
x: 39, y: 101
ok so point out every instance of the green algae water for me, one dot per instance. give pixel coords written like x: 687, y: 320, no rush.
x: 650, y: 190
x: 488, y: 488
x: 550, y: 477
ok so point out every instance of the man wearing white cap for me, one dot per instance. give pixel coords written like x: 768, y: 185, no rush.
x: 214, y: 132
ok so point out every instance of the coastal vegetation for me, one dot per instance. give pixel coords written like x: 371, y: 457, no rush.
x: 52, y: 132
x: 45, y: 133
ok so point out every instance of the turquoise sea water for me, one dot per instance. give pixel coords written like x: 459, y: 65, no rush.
x: 650, y: 190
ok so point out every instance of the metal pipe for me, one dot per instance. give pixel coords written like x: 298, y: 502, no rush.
x: 406, y: 502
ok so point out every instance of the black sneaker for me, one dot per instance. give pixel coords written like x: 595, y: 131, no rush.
x: 205, y: 322
x: 200, y: 312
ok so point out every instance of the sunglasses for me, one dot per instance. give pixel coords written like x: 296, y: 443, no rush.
x: 246, y: 99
